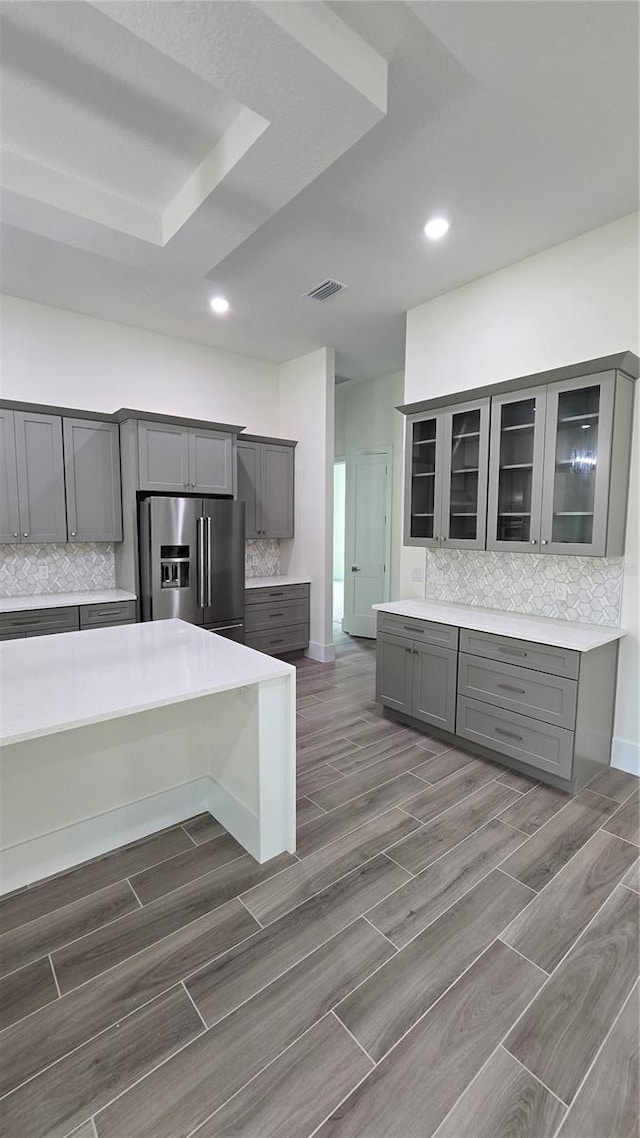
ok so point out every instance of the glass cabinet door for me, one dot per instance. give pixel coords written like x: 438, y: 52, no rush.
x: 464, y: 480
x: 577, y: 445
x: 424, y: 461
x: 516, y: 470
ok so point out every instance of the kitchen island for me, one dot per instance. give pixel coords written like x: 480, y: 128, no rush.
x: 111, y: 734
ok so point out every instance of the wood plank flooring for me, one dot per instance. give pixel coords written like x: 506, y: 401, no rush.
x: 452, y: 951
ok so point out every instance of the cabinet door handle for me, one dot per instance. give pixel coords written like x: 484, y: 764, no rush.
x: 544, y: 541
x: 415, y: 652
x: 509, y: 687
x: 509, y: 734
x: 25, y: 535
x: 407, y: 649
x: 512, y: 651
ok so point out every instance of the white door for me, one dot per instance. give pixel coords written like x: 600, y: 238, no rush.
x: 367, y: 545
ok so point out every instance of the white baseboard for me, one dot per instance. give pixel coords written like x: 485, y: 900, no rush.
x: 323, y: 653
x: 61, y: 849
x: 625, y: 756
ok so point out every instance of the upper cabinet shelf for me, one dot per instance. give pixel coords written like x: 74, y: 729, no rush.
x: 543, y: 469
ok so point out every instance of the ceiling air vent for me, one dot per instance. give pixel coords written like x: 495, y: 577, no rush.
x: 326, y: 289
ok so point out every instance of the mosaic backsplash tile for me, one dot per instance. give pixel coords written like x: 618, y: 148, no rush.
x: 29, y: 569
x: 262, y: 558
x: 587, y: 589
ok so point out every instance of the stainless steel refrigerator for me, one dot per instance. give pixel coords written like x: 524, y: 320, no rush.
x: 192, y: 562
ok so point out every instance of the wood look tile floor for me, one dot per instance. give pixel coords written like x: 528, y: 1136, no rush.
x: 452, y: 952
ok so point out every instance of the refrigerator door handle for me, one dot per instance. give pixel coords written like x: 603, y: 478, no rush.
x: 209, y: 562
x: 201, y: 563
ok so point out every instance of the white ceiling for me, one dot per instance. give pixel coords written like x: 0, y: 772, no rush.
x: 155, y: 153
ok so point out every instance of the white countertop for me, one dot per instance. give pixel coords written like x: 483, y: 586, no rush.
x: 274, y: 582
x: 61, y: 600
x: 71, y: 679
x: 520, y: 626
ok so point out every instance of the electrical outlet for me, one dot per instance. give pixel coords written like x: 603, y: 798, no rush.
x: 417, y: 574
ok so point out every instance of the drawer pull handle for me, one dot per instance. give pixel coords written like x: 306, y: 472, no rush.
x: 408, y: 628
x: 272, y: 595
x: 509, y: 734
x: 512, y: 651
x: 510, y: 687
x: 280, y: 641
x: 275, y: 615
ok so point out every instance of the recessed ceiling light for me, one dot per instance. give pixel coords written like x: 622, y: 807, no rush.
x: 436, y: 227
x: 219, y: 305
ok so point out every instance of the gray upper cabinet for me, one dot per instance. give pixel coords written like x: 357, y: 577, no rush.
x: 211, y: 462
x: 249, y: 480
x: 447, y: 456
x: 40, y: 469
x: 163, y: 456
x: 92, y: 476
x: 174, y: 458
x: 577, y: 461
x: 551, y: 476
x: 516, y: 471
x: 266, y: 486
x: 9, y: 515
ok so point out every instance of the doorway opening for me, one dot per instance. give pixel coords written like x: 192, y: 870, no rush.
x: 339, y: 512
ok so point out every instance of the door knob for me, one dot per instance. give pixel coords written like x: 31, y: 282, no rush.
x: 355, y: 569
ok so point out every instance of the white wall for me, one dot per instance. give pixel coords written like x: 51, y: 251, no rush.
x: 339, y: 504
x: 306, y: 413
x: 366, y: 417
x: 576, y: 301
x: 54, y: 356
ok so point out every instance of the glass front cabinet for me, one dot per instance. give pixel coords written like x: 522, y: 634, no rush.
x: 540, y: 469
x: 447, y: 457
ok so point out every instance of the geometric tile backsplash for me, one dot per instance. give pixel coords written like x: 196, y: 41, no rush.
x: 51, y: 568
x: 587, y: 589
x: 262, y: 558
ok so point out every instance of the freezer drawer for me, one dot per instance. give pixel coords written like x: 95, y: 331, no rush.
x: 551, y: 699
x: 539, y: 745
x: 540, y: 657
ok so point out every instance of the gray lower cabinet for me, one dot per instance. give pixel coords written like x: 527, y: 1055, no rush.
x: 277, y: 620
x: 68, y: 618
x: 92, y: 478
x: 417, y: 679
x: 40, y: 474
x: 548, y: 711
x: 266, y: 485
x: 175, y: 458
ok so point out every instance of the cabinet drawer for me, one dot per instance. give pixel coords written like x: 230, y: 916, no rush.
x: 422, y: 631
x: 282, y: 640
x: 552, y: 699
x: 276, y: 615
x: 540, y: 745
x: 540, y: 657
x: 116, y: 612
x: 280, y: 593
x: 40, y: 621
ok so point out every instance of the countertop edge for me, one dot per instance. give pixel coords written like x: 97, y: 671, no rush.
x: 77, y: 597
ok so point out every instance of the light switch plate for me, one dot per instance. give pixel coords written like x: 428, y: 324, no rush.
x: 417, y: 573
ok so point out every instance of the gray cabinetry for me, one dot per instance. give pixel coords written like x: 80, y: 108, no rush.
x: 163, y: 455
x: 92, y: 477
x: 9, y: 514
x: 556, y: 462
x: 542, y: 708
x: 266, y: 485
x: 67, y: 618
x: 277, y: 619
x: 40, y: 469
x: 417, y: 679
x: 447, y: 462
x: 176, y: 458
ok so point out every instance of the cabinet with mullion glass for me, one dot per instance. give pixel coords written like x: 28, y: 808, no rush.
x: 515, y: 470
x: 464, y: 481
x: 424, y: 480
